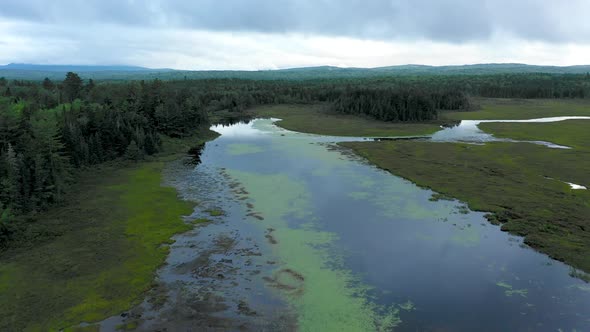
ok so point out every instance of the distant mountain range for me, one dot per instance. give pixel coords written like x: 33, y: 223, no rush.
x: 39, y: 72
x: 67, y: 68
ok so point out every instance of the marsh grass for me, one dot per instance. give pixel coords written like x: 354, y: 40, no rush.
x: 95, y: 256
x: 316, y: 119
x: 571, y: 133
x: 580, y: 275
x: 215, y: 212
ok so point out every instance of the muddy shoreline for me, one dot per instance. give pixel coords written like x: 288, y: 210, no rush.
x: 216, y: 275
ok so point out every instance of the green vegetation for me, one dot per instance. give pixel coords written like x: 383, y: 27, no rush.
x: 201, y: 221
x: 510, y: 180
x: 572, y: 133
x: 517, y: 109
x: 509, y: 290
x: 84, y: 222
x: 89, y: 328
x: 131, y: 326
x: 316, y: 119
x: 399, y: 105
x: 105, y: 246
x: 407, y: 306
x: 215, y: 212
x: 580, y: 275
x: 44, y: 142
x: 95, y: 256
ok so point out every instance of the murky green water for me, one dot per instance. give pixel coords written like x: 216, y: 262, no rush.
x: 315, y: 239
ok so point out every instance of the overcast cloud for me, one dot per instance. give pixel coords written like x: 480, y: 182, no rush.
x: 262, y: 34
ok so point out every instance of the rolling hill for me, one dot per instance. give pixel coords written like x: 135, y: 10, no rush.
x: 57, y: 72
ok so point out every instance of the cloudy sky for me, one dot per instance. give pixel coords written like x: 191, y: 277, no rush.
x: 268, y: 34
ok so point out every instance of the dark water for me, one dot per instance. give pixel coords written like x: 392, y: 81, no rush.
x: 331, y: 243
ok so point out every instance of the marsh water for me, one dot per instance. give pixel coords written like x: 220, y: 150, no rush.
x: 313, y: 238
x: 468, y: 131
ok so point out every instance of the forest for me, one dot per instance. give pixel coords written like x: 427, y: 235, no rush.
x: 399, y: 106
x: 50, y: 129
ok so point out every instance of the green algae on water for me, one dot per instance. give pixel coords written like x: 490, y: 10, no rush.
x: 326, y: 296
x: 509, y: 290
x: 467, y: 237
x: 408, y: 306
x: 238, y: 149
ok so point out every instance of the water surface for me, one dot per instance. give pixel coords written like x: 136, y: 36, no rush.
x: 314, y: 238
x: 366, y: 250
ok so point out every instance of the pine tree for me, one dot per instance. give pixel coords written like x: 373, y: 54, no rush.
x: 72, y: 86
x: 132, y: 152
x: 10, y: 181
x: 90, y: 85
x: 47, y: 84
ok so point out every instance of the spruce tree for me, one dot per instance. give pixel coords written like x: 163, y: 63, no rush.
x: 72, y: 86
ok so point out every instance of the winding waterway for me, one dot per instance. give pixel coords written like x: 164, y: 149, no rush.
x: 315, y: 239
x: 468, y: 131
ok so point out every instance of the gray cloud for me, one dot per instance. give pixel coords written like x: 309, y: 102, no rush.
x: 437, y: 20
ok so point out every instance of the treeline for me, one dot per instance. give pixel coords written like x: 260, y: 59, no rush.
x: 49, y: 129
x: 399, y: 105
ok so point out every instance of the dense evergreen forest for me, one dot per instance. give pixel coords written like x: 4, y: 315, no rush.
x: 399, y: 105
x: 50, y: 129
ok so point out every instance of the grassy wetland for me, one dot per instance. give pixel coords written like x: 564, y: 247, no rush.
x: 96, y: 256
x: 571, y: 133
x: 317, y: 119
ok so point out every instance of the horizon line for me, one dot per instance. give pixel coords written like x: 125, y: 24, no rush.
x: 293, y: 68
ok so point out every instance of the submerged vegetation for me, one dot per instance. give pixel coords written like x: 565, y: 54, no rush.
x: 326, y: 296
x: 523, y: 185
x: 510, y: 291
x: 508, y: 179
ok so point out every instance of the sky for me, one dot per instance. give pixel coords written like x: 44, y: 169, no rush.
x: 273, y: 34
